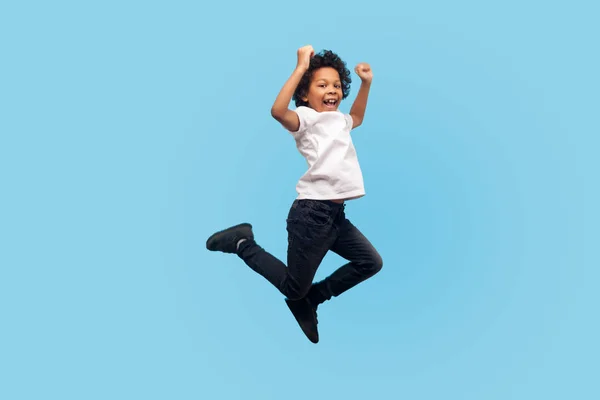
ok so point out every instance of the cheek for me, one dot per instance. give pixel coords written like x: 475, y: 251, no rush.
x: 315, y: 95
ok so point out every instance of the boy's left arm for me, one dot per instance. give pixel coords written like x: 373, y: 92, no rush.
x: 357, y: 112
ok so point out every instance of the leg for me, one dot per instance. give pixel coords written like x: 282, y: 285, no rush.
x: 310, y: 235
x: 364, y: 262
x: 255, y: 256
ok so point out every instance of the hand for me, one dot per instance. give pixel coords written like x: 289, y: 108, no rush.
x: 364, y: 72
x: 304, y: 55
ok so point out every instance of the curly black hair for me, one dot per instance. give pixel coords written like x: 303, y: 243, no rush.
x: 326, y: 58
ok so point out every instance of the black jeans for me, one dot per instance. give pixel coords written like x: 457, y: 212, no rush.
x: 315, y: 227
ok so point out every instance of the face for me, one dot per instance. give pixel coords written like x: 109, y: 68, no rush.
x: 325, y: 90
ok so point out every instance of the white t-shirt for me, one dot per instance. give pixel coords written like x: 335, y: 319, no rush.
x: 333, y: 169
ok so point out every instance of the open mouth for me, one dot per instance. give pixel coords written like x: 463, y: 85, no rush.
x: 331, y: 103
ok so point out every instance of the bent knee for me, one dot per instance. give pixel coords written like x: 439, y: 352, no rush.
x: 375, y: 264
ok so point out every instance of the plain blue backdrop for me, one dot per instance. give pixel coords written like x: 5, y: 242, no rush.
x: 131, y: 131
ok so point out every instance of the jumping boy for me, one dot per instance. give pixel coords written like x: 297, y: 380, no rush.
x: 316, y: 222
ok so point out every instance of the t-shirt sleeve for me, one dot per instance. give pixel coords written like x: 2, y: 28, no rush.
x: 306, y: 117
x: 349, y: 121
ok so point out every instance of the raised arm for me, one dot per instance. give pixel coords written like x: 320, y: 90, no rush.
x: 280, y: 111
x: 363, y: 70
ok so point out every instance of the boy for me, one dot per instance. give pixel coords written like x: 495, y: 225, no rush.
x: 316, y: 222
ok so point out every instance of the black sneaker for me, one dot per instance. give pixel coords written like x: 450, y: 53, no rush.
x: 226, y: 240
x: 306, y: 315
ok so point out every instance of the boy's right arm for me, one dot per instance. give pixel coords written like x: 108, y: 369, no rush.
x: 280, y: 111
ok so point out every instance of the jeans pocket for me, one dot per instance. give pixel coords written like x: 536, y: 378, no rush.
x: 308, y: 228
x: 314, y: 213
x: 317, y: 218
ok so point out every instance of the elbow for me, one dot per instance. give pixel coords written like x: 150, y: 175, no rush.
x: 276, y: 113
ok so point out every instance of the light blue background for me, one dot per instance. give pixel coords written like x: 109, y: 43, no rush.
x: 131, y: 131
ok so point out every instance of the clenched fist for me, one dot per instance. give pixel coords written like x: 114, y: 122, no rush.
x: 364, y: 72
x: 305, y: 53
